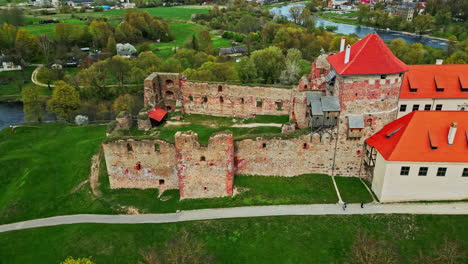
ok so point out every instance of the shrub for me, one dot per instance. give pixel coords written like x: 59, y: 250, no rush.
x: 81, y: 120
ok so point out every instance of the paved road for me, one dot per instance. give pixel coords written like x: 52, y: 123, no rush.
x: 253, y: 211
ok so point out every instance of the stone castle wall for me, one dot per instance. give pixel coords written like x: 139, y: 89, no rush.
x: 221, y: 99
x: 205, y: 172
x: 156, y: 169
x: 285, y: 157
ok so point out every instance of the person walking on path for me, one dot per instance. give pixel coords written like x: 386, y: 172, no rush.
x: 362, y: 204
x: 344, y: 207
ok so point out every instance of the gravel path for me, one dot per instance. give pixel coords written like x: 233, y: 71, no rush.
x: 251, y: 211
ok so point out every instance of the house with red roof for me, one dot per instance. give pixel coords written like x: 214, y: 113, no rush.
x: 434, y: 87
x: 420, y: 156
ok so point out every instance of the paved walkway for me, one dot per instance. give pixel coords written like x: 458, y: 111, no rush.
x: 258, y: 125
x: 252, y: 211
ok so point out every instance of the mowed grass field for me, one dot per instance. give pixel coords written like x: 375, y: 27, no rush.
x: 171, y: 14
x: 283, y: 239
x: 42, y: 166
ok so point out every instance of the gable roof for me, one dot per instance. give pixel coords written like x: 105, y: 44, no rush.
x: 369, y: 55
x: 409, y: 138
x: 424, y: 79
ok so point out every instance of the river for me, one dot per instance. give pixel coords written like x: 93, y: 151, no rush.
x: 362, y: 31
x: 11, y: 114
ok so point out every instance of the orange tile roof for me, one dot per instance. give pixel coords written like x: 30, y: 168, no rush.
x: 369, y: 55
x: 157, y: 114
x: 409, y: 138
x: 425, y: 79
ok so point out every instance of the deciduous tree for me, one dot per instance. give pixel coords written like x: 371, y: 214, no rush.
x: 269, y: 63
x: 65, y: 101
x: 31, y: 103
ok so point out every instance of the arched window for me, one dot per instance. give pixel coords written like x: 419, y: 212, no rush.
x: 129, y: 147
x: 169, y: 82
x: 202, y: 158
x: 220, y: 88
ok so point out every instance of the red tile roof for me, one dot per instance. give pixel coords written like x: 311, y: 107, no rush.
x: 369, y: 55
x: 409, y: 138
x: 424, y: 79
x: 157, y: 114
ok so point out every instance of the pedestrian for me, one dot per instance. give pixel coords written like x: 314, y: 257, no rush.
x: 362, y: 204
x: 344, y: 207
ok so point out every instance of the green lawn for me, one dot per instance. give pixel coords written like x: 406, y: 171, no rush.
x: 14, y: 80
x: 40, y: 166
x: 205, y: 126
x: 284, y: 239
x: 254, y: 190
x: 352, y: 190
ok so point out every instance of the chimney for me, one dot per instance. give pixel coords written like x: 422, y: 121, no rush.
x: 342, y: 45
x: 452, y: 132
x: 347, y: 54
x: 439, y: 62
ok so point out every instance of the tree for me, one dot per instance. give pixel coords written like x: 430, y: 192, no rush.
x: 7, y: 37
x: 269, y: 63
x: 458, y: 57
x: 62, y: 33
x: 71, y: 260
x: 65, y: 101
x: 292, y: 71
x: 100, y: 31
x: 363, y: 13
x: 45, y: 44
x: 448, y: 252
x: 414, y: 54
x: 206, y: 44
x: 124, y: 102
x: 119, y: 67
x: 246, y: 70
x: 126, y: 49
x: 26, y: 45
x: 13, y: 16
x: 31, y: 103
x: 295, y: 13
x: 424, y: 22
x: 111, y: 45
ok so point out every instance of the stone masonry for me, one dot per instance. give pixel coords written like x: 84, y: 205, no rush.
x: 205, y: 172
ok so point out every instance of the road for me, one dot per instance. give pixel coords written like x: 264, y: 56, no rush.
x: 459, y: 208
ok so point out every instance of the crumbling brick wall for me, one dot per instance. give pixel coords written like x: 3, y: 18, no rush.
x: 141, y: 164
x: 221, y: 99
x: 285, y: 157
x: 205, y: 172
x: 163, y: 90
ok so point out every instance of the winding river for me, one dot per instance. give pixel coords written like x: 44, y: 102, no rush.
x: 362, y: 31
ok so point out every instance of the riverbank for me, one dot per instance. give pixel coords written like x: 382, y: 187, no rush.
x: 339, y: 19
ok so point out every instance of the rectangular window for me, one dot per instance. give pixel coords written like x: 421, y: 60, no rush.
x: 427, y: 107
x: 402, y: 108
x: 441, y: 171
x: 259, y: 103
x: 404, y: 171
x: 438, y: 107
x: 423, y: 171
x: 465, y: 172
x: 415, y: 107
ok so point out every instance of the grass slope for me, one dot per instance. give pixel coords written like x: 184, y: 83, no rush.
x: 40, y: 166
x: 254, y: 190
x: 285, y: 239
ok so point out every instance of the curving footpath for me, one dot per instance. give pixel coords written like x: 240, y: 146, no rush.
x: 251, y: 211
